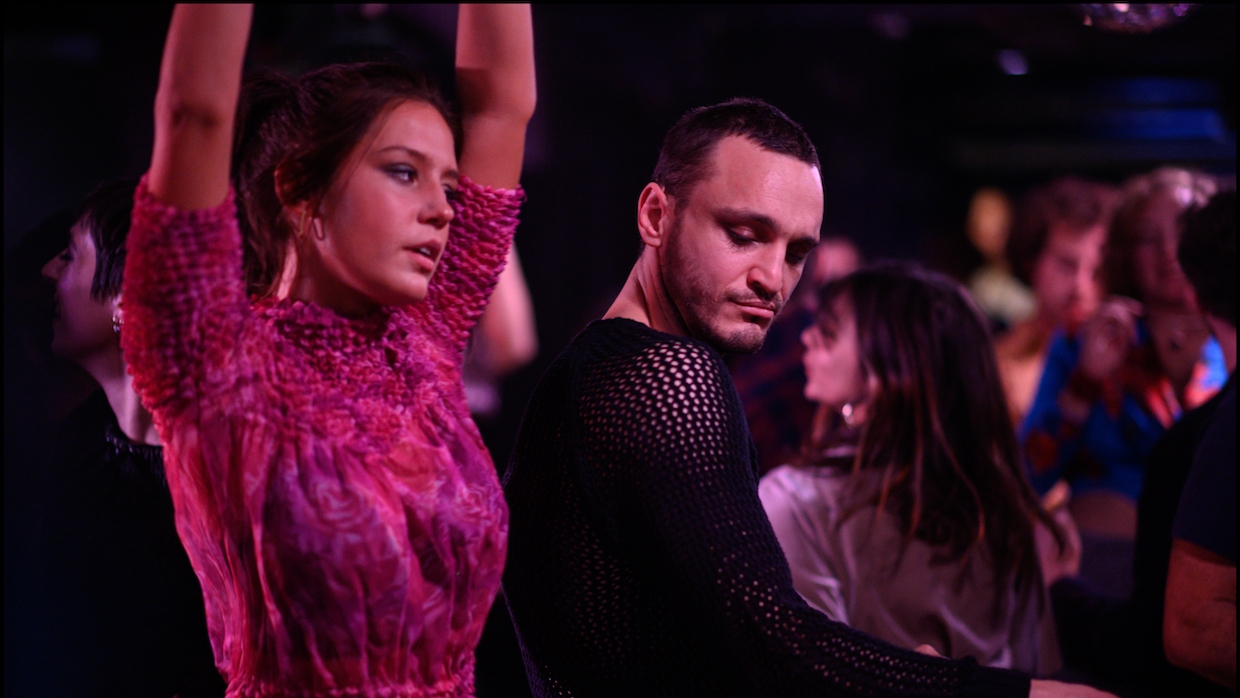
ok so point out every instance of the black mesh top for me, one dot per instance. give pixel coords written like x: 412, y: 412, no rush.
x: 640, y: 560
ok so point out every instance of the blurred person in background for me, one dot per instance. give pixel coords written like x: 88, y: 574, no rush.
x: 1055, y: 248
x: 1110, y: 389
x: 771, y: 381
x: 121, y: 611
x: 1004, y: 298
x: 1119, y: 643
x: 1199, y: 621
x: 908, y: 514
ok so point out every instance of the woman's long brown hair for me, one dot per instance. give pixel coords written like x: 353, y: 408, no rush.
x: 938, y: 426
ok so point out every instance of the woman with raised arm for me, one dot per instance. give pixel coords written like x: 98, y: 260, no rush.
x: 333, y: 494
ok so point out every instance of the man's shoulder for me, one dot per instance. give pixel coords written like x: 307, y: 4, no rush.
x: 629, y: 345
x: 621, y: 363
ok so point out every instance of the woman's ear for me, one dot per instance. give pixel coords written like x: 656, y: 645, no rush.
x: 654, y: 215
x: 283, y: 188
x: 296, y: 213
x: 118, y: 312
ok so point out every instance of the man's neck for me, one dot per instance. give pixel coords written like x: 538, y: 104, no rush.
x: 644, y: 298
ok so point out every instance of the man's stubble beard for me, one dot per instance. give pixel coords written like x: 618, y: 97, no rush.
x: 694, y: 304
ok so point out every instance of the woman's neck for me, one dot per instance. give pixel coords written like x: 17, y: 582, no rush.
x: 133, y: 419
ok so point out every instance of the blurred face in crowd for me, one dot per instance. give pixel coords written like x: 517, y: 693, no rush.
x: 1066, y: 276
x: 834, y: 372
x: 832, y: 258
x: 738, y: 243
x: 1156, y: 234
x: 82, y: 325
x: 382, y: 227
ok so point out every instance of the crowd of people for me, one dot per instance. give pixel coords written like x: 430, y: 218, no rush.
x: 772, y: 467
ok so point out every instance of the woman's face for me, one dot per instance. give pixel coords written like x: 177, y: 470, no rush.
x: 380, y: 230
x: 81, y: 325
x: 1156, y: 234
x: 833, y: 370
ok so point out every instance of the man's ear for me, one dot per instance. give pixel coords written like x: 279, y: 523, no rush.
x: 654, y: 215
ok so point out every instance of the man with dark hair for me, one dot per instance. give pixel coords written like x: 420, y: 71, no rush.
x: 1199, y: 621
x: 1180, y: 567
x: 640, y: 560
x: 1055, y: 247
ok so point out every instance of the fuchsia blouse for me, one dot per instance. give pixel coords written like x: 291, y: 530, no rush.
x: 336, y: 500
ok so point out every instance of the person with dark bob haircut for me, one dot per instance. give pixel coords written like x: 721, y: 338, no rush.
x: 298, y: 295
x: 121, y: 612
x: 908, y: 514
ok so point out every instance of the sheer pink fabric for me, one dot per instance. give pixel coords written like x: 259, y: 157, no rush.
x: 334, y: 496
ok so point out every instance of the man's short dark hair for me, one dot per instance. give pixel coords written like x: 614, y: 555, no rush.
x: 1207, y: 254
x: 684, y: 159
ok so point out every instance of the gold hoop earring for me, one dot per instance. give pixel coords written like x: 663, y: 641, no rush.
x: 301, y: 226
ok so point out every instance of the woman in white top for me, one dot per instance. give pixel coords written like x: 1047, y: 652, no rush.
x: 908, y: 515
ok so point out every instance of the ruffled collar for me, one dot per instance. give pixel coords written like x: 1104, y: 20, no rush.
x: 311, y: 324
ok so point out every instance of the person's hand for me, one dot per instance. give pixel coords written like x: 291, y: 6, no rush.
x: 1056, y: 563
x: 927, y: 649
x: 1041, y: 688
x: 1106, y: 336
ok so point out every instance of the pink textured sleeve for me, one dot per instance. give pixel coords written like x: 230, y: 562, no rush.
x: 184, y: 298
x: 481, y: 233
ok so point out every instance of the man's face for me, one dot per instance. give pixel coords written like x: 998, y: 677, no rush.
x: 1066, y: 275
x: 1156, y: 234
x: 739, y: 241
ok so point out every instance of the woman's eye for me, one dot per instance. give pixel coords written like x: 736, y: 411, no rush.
x: 403, y: 173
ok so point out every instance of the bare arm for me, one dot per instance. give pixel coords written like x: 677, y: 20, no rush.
x: 196, y: 103
x: 496, y: 87
x: 1041, y: 688
x: 1199, y: 618
x: 506, y: 335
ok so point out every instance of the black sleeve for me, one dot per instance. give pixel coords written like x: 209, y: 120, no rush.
x: 669, y: 439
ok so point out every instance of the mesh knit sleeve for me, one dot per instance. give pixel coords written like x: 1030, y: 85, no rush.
x: 183, y: 294
x: 674, y: 467
x: 481, y: 233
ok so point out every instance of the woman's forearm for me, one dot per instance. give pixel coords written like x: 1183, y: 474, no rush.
x: 196, y: 103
